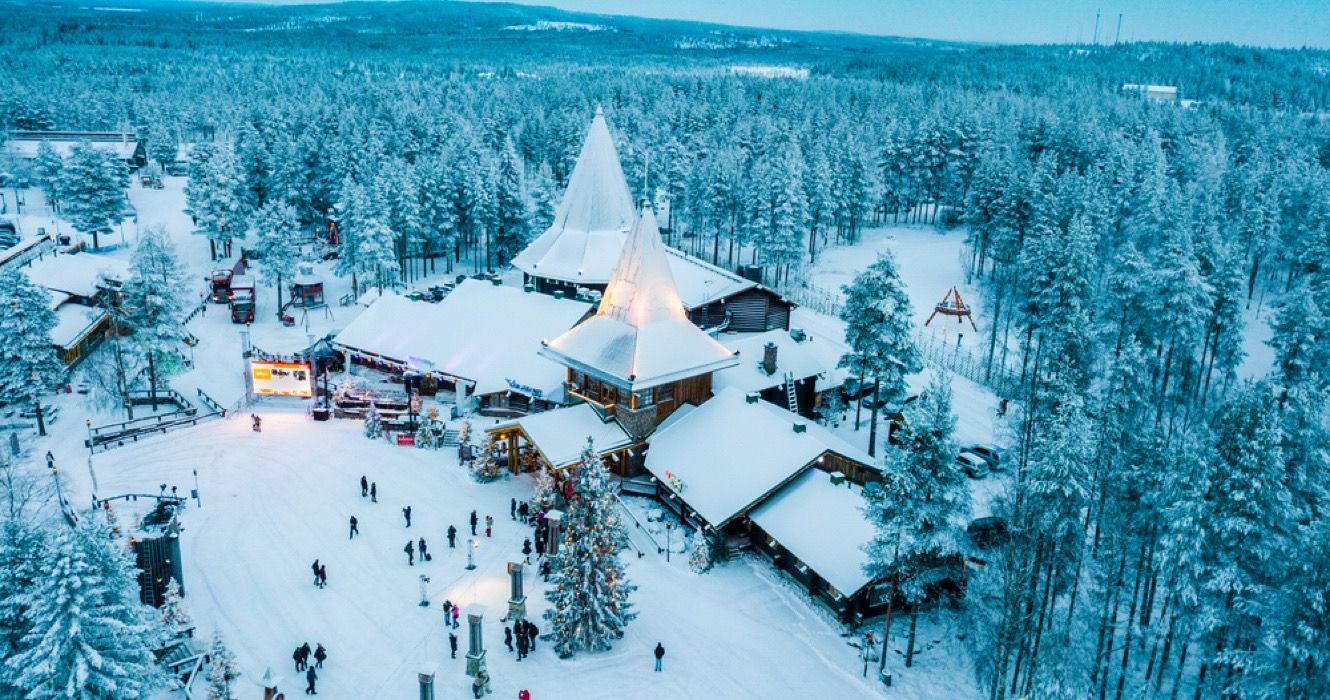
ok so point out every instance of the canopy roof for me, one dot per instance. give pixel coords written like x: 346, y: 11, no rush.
x: 640, y: 336
x: 589, y: 225
x: 561, y: 434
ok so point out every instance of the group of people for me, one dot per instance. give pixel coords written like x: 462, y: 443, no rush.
x: 320, y: 574
x: 413, y: 548
x: 302, y: 655
x: 525, y: 632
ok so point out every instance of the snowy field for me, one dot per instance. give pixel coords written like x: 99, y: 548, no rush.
x: 274, y: 501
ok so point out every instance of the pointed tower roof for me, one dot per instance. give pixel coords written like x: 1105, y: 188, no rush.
x: 591, y: 221
x: 640, y: 335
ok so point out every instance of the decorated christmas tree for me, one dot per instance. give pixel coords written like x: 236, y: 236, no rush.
x: 700, y: 558
x: 89, y: 636
x: 373, y: 423
x: 486, y: 467
x: 174, y: 615
x: 589, y: 599
x: 430, y: 434
x: 547, y: 490
x: 222, y: 669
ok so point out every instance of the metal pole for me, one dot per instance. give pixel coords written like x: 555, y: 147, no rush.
x: 198, y: 501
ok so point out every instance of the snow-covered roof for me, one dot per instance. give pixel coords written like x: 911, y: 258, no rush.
x: 823, y: 525
x: 583, y: 243
x: 480, y: 332
x: 729, y: 453
x: 828, y: 333
x: 72, y: 322
x: 699, y: 282
x: 640, y: 336
x: 561, y: 434
x: 26, y: 148
x: 76, y: 274
x: 802, y: 358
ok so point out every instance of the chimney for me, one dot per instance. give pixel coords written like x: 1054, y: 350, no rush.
x: 800, y: 427
x: 751, y: 397
x: 769, y: 358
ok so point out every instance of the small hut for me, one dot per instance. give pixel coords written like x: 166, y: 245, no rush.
x: 307, y: 287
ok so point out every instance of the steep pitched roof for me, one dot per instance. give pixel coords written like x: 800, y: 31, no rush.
x: 589, y: 225
x: 640, y: 335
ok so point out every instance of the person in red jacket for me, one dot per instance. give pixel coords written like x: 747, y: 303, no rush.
x: 524, y: 694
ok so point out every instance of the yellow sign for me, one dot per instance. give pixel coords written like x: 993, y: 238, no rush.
x: 282, y: 378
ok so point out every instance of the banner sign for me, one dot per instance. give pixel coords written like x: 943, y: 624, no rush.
x: 282, y: 378
x: 524, y: 389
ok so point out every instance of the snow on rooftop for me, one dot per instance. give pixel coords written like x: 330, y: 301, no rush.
x: 803, y: 359
x: 729, y: 453
x: 583, y: 242
x: 699, y: 282
x: 72, y: 322
x: 561, y: 434
x: 641, y: 335
x: 823, y: 525
x: 27, y: 148
x: 76, y: 274
x: 480, y: 332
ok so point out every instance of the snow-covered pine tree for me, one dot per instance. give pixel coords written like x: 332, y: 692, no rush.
x: 218, y: 198
x: 429, y: 436
x: 486, y: 466
x: 699, y: 560
x: 589, y: 606
x: 275, y: 227
x: 373, y: 422
x: 91, y: 188
x: 24, y: 557
x: 90, y: 637
x: 175, y: 616
x: 47, y: 167
x: 546, y: 494
x: 26, y: 321
x: 222, y: 668
x: 156, y: 301
x: 511, y: 209
x: 880, y: 332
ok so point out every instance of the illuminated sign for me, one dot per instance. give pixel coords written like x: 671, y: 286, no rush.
x: 524, y: 389
x: 282, y: 378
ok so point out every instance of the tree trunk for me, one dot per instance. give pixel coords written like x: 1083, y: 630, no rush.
x: 909, y: 641
x: 872, y: 422
x: 858, y: 403
x: 152, y: 377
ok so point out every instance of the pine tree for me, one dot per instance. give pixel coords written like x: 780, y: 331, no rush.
x: 373, y: 423
x: 23, y: 562
x: 29, y: 366
x: 700, y: 558
x: 511, y: 209
x: 90, y: 636
x: 218, y: 198
x: 174, y: 614
x: 880, y: 332
x: 222, y: 669
x: 430, y: 434
x: 48, y: 167
x: 275, y: 228
x: 589, y: 606
x: 546, y: 495
x: 486, y: 466
x: 156, y: 301
x: 91, y: 188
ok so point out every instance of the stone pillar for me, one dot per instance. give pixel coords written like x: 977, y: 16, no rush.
x: 475, y: 655
x: 426, y: 679
x: 516, y: 598
x: 470, y: 553
x: 553, y: 523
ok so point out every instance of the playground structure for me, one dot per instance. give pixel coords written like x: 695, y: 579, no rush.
x: 952, y: 305
x: 306, y: 294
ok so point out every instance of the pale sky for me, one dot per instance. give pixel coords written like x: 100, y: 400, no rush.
x: 1282, y: 23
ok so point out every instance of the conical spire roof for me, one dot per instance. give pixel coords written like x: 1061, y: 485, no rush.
x: 592, y: 219
x: 640, y: 335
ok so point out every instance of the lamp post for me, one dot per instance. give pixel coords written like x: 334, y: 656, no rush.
x: 37, y: 399
x: 669, y: 527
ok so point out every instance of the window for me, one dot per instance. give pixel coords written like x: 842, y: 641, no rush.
x: 664, y: 393
x: 642, y: 398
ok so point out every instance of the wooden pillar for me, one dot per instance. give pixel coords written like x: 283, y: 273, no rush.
x: 512, y: 452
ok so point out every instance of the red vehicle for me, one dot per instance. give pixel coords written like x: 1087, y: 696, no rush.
x: 221, y: 285
x: 242, y: 299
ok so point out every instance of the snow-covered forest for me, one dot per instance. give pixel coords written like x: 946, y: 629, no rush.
x: 1167, y: 516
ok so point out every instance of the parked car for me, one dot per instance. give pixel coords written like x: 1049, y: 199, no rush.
x: 988, y: 532
x: 975, y: 467
x: 992, y: 455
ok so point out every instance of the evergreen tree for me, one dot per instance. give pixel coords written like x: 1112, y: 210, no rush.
x: 430, y: 434
x: 217, y: 198
x: 222, y: 669
x: 275, y: 228
x: 700, y: 558
x: 156, y: 301
x: 23, y: 562
x: 90, y: 637
x: 48, y: 167
x: 29, y: 366
x: 589, y: 607
x: 511, y: 231
x: 174, y: 614
x: 880, y: 332
x: 373, y: 423
x: 91, y: 187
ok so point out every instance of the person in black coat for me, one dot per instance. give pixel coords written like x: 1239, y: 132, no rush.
x: 474, y: 521
x: 299, y: 659
x: 660, y: 654
x: 452, y: 537
x: 540, y: 548
x: 424, y: 552
x: 406, y: 513
x: 452, y: 644
x: 522, y: 645
x: 526, y: 550
x: 508, y: 638
x: 410, y: 550
x: 523, y: 511
x: 512, y: 508
x: 355, y: 529
x: 374, y: 491
x: 320, y: 655
x: 364, y: 487
x: 311, y: 676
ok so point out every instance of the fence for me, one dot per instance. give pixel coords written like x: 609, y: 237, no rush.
x: 936, y: 352
x: 823, y: 301
x: 112, y: 435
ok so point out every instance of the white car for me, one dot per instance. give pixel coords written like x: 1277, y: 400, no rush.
x: 975, y: 467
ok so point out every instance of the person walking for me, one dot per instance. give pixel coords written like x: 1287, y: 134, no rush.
x: 522, y: 644
x: 452, y: 537
x: 512, y: 508
x: 523, y: 511
x: 526, y: 550
x: 299, y: 659
x: 524, y: 694
x: 540, y: 547
x: 474, y: 521
x: 508, y: 638
x: 323, y: 575
x: 311, y: 676
x: 489, y: 525
x: 424, y: 553
x: 660, y: 654
x: 354, y: 529
x: 410, y: 550
x: 452, y: 645
x: 364, y: 486
x: 447, y: 613
x: 373, y: 492
x: 315, y: 567
x: 320, y: 655
x: 457, y: 612
x: 531, y: 633
x: 257, y: 423
x: 406, y: 513
x: 304, y: 656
